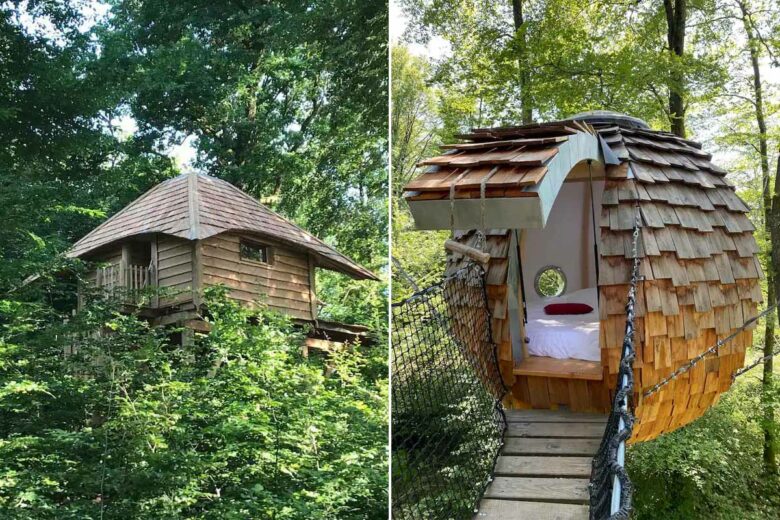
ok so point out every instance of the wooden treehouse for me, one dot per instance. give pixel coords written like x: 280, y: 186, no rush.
x: 557, y: 203
x: 196, y: 231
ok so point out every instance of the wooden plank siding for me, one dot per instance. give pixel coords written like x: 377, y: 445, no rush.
x: 284, y: 284
x: 174, y: 270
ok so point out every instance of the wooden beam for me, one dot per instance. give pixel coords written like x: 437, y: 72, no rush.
x: 323, y: 344
x: 463, y: 249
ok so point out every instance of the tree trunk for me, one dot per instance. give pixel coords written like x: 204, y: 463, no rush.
x: 770, y: 457
x: 676, y: 16
x: 770, y: 441
x: 522, y: 64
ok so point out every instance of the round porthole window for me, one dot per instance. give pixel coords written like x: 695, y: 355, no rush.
x: 550, y: 281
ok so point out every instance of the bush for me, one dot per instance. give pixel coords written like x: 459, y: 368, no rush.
x: 132, y: 425
x: 709, y: 469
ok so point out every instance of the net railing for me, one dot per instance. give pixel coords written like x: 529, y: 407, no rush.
x: 610, y: 487
x: 448, y: 423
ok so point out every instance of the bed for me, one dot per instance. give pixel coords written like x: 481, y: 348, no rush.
x: 566, y: 336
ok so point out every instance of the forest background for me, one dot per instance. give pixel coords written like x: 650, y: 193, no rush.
x: 708, y: 70
x: 100, y: 101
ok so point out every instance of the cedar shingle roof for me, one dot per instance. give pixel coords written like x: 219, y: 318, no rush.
x: 195, y: 206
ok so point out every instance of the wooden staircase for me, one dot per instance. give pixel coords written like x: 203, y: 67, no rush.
x: 543, y: 470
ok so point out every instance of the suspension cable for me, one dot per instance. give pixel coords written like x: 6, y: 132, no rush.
x: 754, y: 364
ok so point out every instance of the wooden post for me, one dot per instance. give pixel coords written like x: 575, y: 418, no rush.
x: 521, y: 259
x: 123, y: 265
x: 197, y: 273
x: 155, y: 300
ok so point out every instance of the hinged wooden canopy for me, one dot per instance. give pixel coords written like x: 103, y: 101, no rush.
x: 504, y: 177
x: 195, y: 206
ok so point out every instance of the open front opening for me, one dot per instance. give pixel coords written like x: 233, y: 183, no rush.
x: 559, y: 284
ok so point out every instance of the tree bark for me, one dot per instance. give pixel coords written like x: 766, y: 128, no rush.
x: 770, y: 456
x: 526, y: 108
x: 770, y: 441
x: 676, y: 16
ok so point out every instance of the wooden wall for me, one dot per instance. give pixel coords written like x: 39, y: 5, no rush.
x: 175, y: 269
x: 284, y: 285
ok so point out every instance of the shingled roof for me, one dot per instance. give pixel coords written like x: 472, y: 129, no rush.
x: 195, y: 206
x: 701, y: 273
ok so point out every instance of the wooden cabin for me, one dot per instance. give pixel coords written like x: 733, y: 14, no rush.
x: 557, y: 203
x: 195, y: 231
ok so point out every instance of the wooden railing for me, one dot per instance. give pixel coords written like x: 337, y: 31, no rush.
x: 137, y: 277
x: 129, y: 278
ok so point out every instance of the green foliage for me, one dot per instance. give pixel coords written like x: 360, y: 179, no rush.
x: 709, y: 469
x: 133, y: 425
x: 574, y: 56
x: 285, y: 99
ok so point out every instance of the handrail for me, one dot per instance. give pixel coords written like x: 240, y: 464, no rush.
x: 129, y: 277
x: 609, y: 479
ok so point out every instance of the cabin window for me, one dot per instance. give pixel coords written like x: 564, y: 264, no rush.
x: 255, y: 252
x: 550, y: 281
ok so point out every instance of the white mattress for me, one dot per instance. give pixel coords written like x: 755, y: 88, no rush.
x: 565, y: 336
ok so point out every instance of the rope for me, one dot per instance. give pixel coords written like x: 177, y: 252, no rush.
x: 690, y: 364
x: 610, y: 487
x: 452, y: 201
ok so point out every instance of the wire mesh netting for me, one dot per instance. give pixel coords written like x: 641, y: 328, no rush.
x: 447, y: 420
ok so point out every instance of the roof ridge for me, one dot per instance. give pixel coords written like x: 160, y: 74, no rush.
x: 193, y: 202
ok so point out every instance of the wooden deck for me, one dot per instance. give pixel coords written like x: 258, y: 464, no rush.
x: 544, y: 467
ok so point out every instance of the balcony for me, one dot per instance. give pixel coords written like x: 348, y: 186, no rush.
x: 125, y: 280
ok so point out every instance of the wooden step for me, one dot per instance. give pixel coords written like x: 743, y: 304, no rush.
x: 530, y: 446
x: 564, y: 429
x: 491, y: 509
x: 517, y: 466
x: 553, y: 416
x: 539, y: 489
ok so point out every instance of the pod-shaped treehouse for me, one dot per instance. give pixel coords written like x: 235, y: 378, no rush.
x: 557, y: 203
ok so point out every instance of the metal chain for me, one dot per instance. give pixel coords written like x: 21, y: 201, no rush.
x: 690, y: 364
x: 754, y: 364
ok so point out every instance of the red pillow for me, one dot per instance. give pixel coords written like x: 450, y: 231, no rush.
x: 567, y: 308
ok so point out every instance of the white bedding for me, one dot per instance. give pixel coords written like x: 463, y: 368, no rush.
x: 565, y: 336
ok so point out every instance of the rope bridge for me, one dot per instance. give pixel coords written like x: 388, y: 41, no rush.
x: 448, y: 423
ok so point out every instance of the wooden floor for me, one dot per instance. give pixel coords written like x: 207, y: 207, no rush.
x: 541, y: 366
x: 544, y: 468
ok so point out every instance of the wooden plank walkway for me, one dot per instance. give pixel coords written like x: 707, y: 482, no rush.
x: 543, y: 470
